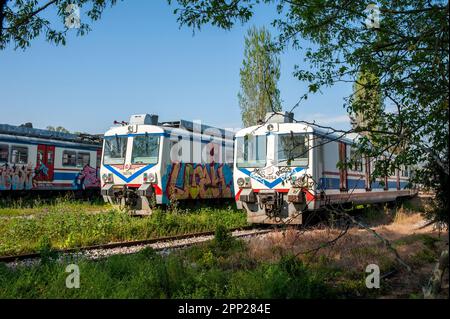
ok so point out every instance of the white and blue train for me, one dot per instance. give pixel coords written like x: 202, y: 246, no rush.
x: 145, y: 163
x: 41, y: 160
x: 282, y: 169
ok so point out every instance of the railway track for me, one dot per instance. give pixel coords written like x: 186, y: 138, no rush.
x: 130, y: 247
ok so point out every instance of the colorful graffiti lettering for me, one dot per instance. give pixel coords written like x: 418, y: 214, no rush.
x: 192, y: 181
x: 88, y: 178
x: 16, y: 177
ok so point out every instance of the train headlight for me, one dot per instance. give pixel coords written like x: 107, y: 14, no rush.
x: 108, y: 178
x: 296, y: 182
x: 244, y: 182
x: 149, y: 178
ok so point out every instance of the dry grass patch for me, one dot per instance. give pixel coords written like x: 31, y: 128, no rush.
x: 419, y: 247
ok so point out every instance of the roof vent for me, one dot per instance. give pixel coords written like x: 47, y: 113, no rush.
x: 279, y: 117
x: 143, y: 119
x: 27, y: 125
x: 154, y: 119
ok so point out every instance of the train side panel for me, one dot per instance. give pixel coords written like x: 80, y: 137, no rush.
x: 28, y: 163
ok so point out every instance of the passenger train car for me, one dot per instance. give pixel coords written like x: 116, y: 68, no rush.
x: 282, y: 169
x: 145, y: 163
x: 41, y: 160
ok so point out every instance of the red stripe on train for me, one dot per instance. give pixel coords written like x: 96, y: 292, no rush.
x: 309, y: 196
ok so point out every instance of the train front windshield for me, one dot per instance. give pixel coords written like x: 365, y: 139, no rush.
x: 291, y: 149
x: 145, y: 149
x: 251, y: 151
x: 115, y: 149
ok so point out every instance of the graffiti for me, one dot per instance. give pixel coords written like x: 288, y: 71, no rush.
x: 269, y: 174
x: 192, y: 181
x: 16, y: 177
x: 26, y: 178
x: 259, y: 172
x: 283, y: 170
x: 41, y: 173
x: 87, y: 178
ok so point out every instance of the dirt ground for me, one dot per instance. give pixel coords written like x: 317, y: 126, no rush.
x: 353, y: 250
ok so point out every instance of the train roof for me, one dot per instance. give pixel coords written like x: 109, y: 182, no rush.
x: 198, y: 128
x: 173, y: 126
x: 349, y: 138
x: 24, y: 131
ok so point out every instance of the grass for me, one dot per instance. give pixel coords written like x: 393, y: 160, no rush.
x: 36, y: 206
x: 219, y: 269
x: 67, y: 224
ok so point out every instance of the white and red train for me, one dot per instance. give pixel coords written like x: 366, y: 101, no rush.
x: 275, y: 171
x: 41, y: 160
x: 146, y: 162
x: 282, y: 169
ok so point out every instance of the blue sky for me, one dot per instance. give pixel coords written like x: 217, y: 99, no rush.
x: 135, y: 60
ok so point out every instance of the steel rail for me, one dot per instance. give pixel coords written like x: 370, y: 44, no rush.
x: 125, y: 244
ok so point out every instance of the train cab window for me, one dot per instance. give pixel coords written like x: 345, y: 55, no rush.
x: 251, y: 151
x: 69, y: 158
x: 292, y: 149
x: 19, y: 155
x: 83, y: 159
x: 145, y: 149
x: 115, y: 149
x: 4, y: 153
x: 356, y: 160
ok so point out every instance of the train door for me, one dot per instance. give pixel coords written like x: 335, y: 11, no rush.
x: 343, y: 182
x: 45, y: 168
x: 98, y: 159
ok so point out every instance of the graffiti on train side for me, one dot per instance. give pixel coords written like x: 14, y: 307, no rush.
x: 16, y: 177
x: 88, y: 178
x: 192, y: 181
x: 24, y: 177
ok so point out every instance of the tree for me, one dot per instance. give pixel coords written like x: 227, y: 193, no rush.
x: 260, y: 73
x: 58, y: 129
x: 366, y: 92
x: 405, y: 43
x: 23, y: 20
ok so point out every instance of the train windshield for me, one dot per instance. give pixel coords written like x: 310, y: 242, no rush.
x: 291, y: 149
x: 251, y: 151
x: 115, y: 150
x: 145, y: 149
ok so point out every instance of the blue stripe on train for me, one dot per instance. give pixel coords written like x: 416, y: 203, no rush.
x: 65, y: 176
x: 333, y: 183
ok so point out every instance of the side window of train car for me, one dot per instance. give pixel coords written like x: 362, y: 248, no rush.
x: 4, y: 153
x: 404, y: 171
x: 19, y: 155
x: 356, y: 160
x: 69, y: 158
x: 83, y: 159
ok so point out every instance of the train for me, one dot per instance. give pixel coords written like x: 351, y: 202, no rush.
x: 147, y: 163
x: 41, y: 160
x: 283, y: 169
x: 275, y: 171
